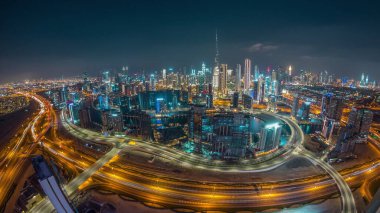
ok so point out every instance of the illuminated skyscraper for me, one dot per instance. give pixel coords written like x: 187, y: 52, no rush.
x: 295, y: 105
x: 257, y: 73
x: 223, y: 79
x: 270, y: 137
x: 247, y: 101
x: 164, y: 76
x: 332, y: 107
x: 238, y: 78
x: 247, y: 75
x: 152, y: 82
x: 235, y: 100
x: 106, y: 77
x: 64, y: 94
x: 360, y: 120
x: 328, y: 128
x: 255, y: 90
x: 304, y: 111
x: 215, y: 75
x: 261, y: 89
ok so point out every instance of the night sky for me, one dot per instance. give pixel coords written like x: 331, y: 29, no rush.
x: 50, y: 39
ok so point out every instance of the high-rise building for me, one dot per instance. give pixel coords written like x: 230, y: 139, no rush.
x: 257, y: 73
x: 255, y: 90
x: 84, y: 118
x: 328, y: 128
x: 261, y: 90
x: 64, y: 94
x: 164, y: 76
x: 223, y: 79
x: 74, y: 112
x: 290, y: 70
x: 50, y: 186
x: 247, y: 101
x: 360, y: 120
x: 235, y: 100
x: 270, y: 137
x: 295, y: 105
x: 106, y: 79
x: 215, y: 75
x: 152, y: 82
x: 332, y: 107
x: 272, y: 104
x: 247, y: 75
x: 346, y: 142
x: 304, y: 111
x: 238, y: 78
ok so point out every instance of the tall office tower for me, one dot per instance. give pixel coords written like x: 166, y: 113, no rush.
x: 270, y: 137
x: 345, y: 142
x: 275, y: 88
x: 290, y: 69
x: 74, y: 112
x: 205, y: 73
x: 64, y: 94
x: 215, y: 75
x: 86, y: 82
x: 215, y: 78
x: 295, y: 105
x: 275, y: 83
x: 84, y: 117
x: 274, y: 75
x: 257, y: 73
x: 261, y: 90
x: 247, y: 75
x: 328, y: 128
x: 326, y: 99
x: 272, y: 105
x: 209, y: 101
x: 304, y: 111
x: 210, y: 97
x: 152, y: 82
x: 267, y: 87
x: 332, y: 107
x: 223, y: 79
x: 362, y: 82
x: 50, y: 186
x: 247, y: 101
x: 164, y: 77
x: 124, y: 70
x: 106, y: 77
x: 238, y: 78
x: 255, y: 89
x: 235, y: 100
x: 360, y: 120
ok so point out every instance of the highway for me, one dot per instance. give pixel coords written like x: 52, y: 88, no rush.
x: 14, y: 157
x: 220, y: 195
x: 347, y: 198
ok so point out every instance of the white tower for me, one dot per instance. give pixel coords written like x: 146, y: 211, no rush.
x: 247, y: 75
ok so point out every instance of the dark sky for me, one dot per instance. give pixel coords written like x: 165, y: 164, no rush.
x: 48, y: 39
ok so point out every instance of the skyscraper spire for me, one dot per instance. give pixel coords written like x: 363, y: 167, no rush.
x: 216, y: 48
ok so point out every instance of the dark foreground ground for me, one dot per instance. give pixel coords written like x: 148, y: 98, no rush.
x: 9, y: 123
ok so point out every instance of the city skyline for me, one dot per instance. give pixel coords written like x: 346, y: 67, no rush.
x: 151, y: 35
x: 189, y: 106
